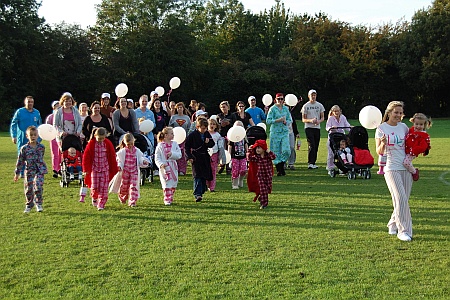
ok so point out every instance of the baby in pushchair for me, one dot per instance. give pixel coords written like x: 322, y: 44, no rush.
x: 351, y: 153
x: 71, y: 163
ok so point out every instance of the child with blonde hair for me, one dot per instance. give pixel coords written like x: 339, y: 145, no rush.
x: 99, y: 164
x: 31, y: 157
x: 238, y: 152
x: 417, y: 142
x: 129, y: 159
x: 166, y: 155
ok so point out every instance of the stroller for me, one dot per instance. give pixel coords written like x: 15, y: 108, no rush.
x: 357, y: 141
x: 146, y: 146
x: 70, y: 141
x: 255, y: 133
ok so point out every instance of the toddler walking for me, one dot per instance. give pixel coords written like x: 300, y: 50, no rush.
x: 99, y: 164
x: 72, y: 158
x: 345, y: 153
x: 31, y: 156
x: 238, y: 152
x: 260, y: 172
x: 417, y: 142
x: 129, y: 159
x: 166, y: 155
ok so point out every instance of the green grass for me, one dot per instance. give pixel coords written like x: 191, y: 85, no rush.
x: 320, y: 238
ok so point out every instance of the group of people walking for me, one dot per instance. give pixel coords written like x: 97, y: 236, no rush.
x: 204, y: 147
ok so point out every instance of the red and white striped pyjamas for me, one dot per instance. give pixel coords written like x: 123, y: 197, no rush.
x: 128, y: 186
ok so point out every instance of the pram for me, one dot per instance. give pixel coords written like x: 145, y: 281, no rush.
x: 69, y: 141
x: 357, y: 138
x: 146, y: 146
x: 255, y: 133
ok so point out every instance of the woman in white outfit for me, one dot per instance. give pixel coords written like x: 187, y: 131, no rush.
x: 390, y: 140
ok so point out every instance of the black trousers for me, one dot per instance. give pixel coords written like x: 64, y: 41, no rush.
x: 313, y: 138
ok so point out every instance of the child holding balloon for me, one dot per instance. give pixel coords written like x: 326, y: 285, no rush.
x: 166, y: 155
x: 238, y: 152
x: 31, y: 158
x: 129, y: 159
x: 417, y: 142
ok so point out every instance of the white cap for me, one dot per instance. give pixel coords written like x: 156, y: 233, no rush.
x: 311, y: 92
x: 200, y: 112
x: 67, y: 94
x: 250, y: 98
x: 106, y: 95
x: 54, y: 103
x: 130, y: 100
x: 153, y: 93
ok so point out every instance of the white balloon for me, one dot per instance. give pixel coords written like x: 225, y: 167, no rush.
x: 146, y: 126
x: 267, y: 99
x: 262, y: 125
x: 210, y: 151
x: 174, y: 83
x: 213, y: 117
x: 227, y: 158
x: 121, y: 90
x: 179, y: 134
x: 370, y: 117
x: 291, y: 99
x: 236, y: 134
x: 47, y: 132
x: 160, y: 91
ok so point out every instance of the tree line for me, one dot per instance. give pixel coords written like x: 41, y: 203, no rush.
x: 221, y: 51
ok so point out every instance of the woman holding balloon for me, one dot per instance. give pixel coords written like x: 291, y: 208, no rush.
x: 181, y: 119
x: 390, y: 140
x: 124, y: 120
x: 279, y: 117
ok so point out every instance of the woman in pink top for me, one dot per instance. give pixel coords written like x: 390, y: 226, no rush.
x: 67, y: 119
x: 335, y: 120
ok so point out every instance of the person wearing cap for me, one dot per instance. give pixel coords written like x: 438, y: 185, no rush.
x: 22, y: 119
x: 106, y: 108
x: 54, y: 149
x: 241, y: 115
x: 279, y: 118
x: 195, y: 116
x: 67, y: 119
x: 256, y: 113
x: 312, y: 116
x: 199, y: 106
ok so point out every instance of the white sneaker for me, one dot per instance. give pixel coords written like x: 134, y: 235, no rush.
x: 167, y: 203
x: 404, y: 237
x: 392, y: 230
x: 27, y: 209
x: 39, y: 208
x: 234, y: 187
x: 310, y: 166
x: 314, y: 166
x: 72, y: 176
x: 156, y: 173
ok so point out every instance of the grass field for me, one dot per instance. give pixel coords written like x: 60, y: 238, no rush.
x: 320, y: 238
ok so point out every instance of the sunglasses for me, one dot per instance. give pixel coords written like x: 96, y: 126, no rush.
x: 241, y: 106
x: 280, y: 98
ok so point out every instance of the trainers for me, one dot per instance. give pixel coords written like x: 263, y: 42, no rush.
x: 27, y: 209
x: 39, y: 208
x: 100, y: 208
x: 234, y: 187
x: 80, y: 176
x: 404, y: 237
x: 222, y: 167
x: 331, y: 173
x: 181, y: 174
x: 55, y: 174
x: 311, y: 166
x: 392, y: 230
x: 291, y: 167
x: 72, y: 177
x: 415, y: 176
x: 379, y: 172
x: 263, y: 207
x: 314, y: 166
x: 167, y: 203
x: 94, y: 202
x: 198, y: 198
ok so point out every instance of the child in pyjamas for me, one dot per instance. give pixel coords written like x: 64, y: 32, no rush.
x: 72, y: 159
x: 417, y: 142
x: 31, y: 155
x: 166, y: 155
x: 129, y: 159
x: 238, y: 152
x: 99, y: 164
x: 260, y: 172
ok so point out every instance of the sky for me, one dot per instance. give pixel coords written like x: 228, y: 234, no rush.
x: 355, y: 12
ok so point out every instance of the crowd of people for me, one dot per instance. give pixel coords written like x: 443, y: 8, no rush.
x: 111, y: 162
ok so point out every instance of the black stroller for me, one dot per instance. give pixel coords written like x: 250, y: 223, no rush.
x: 255, y: 133
x: 357, y: 138
x: 70, y: 141
x: 146, y: 146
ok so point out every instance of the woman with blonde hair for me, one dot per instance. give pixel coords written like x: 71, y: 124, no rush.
x: 335, y: 123
x: 67, y: 119
x: 390, y: 140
